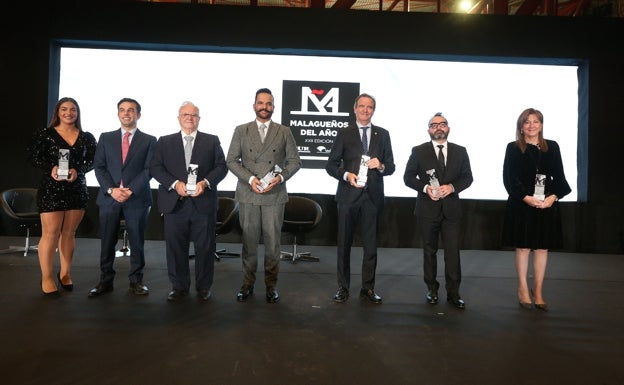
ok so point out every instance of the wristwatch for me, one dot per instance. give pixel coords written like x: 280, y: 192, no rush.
x: 109, y: 191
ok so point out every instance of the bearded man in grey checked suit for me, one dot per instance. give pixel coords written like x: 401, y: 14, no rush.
x: 258, y: 147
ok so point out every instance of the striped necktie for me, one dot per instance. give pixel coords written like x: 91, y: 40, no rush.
x: 364, y: 140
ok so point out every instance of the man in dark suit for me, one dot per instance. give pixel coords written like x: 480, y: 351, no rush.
x: 189, y: 210
x: 256, y: 148
x: 439, y: 171
x: 122, y: 169
x: 360, y: 203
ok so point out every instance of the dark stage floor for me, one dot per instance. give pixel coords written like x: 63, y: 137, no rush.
x: 307, y: 339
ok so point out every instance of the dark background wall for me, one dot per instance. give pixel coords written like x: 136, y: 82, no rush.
x: 593, y: 226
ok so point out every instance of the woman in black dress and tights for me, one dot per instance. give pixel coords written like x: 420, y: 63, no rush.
x: 61, y: 201
x: 534, y: 179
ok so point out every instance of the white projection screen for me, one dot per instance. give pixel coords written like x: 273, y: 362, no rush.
x: 481, y: 100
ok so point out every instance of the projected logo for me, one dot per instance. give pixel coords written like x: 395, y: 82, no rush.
x: 315, y: 111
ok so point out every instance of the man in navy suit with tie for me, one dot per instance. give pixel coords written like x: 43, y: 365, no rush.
x: 439, y: 171
x: 360, y: 204
x: 122, y: 169
x: 189, y: 210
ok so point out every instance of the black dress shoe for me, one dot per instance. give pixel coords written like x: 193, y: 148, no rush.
x: 138, y: 288
x: 341, y: 295
x: 370, y: 295
x: 457, y: 302
x: 68, y: 287
x: 272, y: 296
x: 432, y: 297
x: 244, y: 292
x: 100, y: 289
x: 176, y: 294
x: 204, y: 294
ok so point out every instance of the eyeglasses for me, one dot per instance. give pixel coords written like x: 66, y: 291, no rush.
x: 436, y: 125
x: 194, y: 116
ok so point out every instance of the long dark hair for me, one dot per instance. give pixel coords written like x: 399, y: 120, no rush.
x: 56, y: 120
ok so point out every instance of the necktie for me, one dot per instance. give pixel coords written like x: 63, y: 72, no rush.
x: 364, y: 140
x: 262, y: 132
x: 125, y: 146
x: 441, y: 157
x: 188, y: 149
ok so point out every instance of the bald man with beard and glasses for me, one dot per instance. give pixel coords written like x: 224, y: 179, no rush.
x: 439, y: 171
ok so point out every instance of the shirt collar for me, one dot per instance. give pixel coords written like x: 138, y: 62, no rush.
x: 267, y: 123
x: 132, y: 132
x: 193, y: 134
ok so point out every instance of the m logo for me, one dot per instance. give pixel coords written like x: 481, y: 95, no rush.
x: 325, y: 103
x: 315, y: 111
x: 63, y: 154
x: 192, y: 169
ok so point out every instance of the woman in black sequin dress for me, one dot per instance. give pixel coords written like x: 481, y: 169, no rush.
x: 61, y: 202
x: 532, y: 219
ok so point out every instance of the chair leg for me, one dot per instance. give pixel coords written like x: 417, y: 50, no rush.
x: 26, y: 248
x: 223, y: 253
x: 125, y: 249
x: 27, y: 244
x: 294, y: 256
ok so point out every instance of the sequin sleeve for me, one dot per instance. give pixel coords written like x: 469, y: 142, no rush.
x: 42, y: 151
x: 85, y: 153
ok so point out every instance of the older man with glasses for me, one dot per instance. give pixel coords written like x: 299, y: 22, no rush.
x: 188, y: 165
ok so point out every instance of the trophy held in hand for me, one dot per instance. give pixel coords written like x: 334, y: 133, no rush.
x: 266, y: 180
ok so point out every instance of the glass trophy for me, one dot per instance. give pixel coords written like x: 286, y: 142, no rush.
x: 191, y: 178
x: 540, y: 185
x: 363, y: 172
x: 433, y: 181
x: 266, y: 180
x: 63, y: 164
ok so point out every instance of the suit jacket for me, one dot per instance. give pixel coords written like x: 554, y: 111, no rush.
x: 248, y: 156
x: 346, y: 154
x: 168, y: 165
x: 457, y: 172
x: 109, y: 170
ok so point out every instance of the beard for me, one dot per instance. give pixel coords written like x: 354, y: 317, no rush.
x: 438, y: 134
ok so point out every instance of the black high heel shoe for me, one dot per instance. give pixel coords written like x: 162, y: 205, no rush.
x: 52, y: 294
x: 68, y: 287
x: 526, y: 305
x: 539, y: 306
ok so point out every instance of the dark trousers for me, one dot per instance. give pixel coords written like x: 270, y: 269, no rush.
x: 183, y: 226
x: 109, y: 221
x: 363, y: 213
x: 432, y: 229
